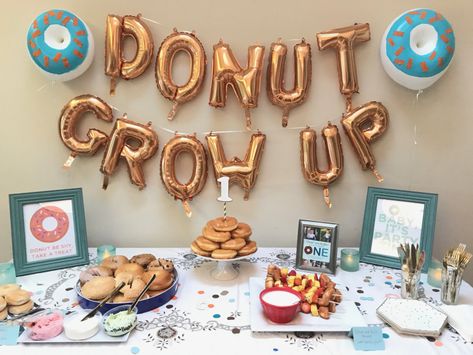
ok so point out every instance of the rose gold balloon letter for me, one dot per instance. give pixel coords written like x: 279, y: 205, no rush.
x: 364, y: 125
x: 278, y: 95
x: 343, y: 40
x: 119, y: 145
x: 71, y: 113
x: 245, y: 82
x: 240, y: 172
x: 334, y: 152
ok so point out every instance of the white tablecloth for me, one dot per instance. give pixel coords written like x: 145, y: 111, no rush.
x: 213, y: 316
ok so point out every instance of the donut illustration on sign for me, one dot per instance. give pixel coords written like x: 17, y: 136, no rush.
x: 60, y: 44
x: 417, y: 48
x: 49, y: 235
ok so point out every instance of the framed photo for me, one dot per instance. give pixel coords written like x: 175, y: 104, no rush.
x: 393, y: 217
x: 317, y: 246
x: 48, y: 230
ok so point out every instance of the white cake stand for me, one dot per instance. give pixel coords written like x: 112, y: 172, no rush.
x: 224, y: 270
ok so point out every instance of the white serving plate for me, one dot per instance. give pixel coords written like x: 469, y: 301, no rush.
x: 100, y: 337
x: 346, y: 317
x: 412, y: 317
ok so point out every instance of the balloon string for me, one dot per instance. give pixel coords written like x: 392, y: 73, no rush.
x: 173, y: 111
x: 327, y: 197
x: 105, y: 182
x: 70, y: 160
x: 50, y: 83
x: 378, y: 175
x: 187, y: 208
x: 248, y: 119
x: 285, y: 116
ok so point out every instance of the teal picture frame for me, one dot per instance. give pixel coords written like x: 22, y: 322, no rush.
x: 17, y: 218
x: 429, y: 200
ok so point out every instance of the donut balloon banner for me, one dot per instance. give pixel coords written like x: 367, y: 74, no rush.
x: 60, y: 44
x: 417, y: 48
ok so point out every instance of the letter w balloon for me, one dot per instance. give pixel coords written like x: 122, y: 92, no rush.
x: 241, y: 172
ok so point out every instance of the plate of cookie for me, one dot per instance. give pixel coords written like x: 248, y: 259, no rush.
x: 96, y: 282
x: 224, y: 239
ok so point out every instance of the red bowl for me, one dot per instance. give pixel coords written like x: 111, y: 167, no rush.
x: 280, y: 314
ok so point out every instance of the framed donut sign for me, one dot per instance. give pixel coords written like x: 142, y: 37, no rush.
x: 317, y: 246
x: 48, y: 230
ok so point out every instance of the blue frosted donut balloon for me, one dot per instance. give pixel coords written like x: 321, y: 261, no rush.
x: 417, y: 48
x: 60, y: 44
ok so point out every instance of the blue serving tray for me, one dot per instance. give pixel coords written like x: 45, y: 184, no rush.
x: 143, y: 305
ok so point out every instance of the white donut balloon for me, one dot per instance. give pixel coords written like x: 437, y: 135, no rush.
x: 417, y: 48
x: 60, y: 44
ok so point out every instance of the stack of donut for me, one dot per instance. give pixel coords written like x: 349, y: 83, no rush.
x: 98, y: 282
x: 14, y: 300
x: 224, y: 238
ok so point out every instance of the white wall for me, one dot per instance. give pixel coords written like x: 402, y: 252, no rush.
x: 32, y: 153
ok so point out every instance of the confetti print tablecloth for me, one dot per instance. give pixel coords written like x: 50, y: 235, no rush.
x: 212, y: 317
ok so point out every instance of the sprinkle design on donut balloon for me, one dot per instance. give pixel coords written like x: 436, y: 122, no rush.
x: 43, y: 234
x: 60, y: 44
x: 417, y: 48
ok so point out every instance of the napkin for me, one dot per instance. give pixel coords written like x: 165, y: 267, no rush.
x: 459, y: 317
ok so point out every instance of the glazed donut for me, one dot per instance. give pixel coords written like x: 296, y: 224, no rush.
x: 98, y: 288
x: 224, y: 254
x: 214, y: 236
x: 196, y: 250
x: 7, y: 288
x: 417, y: 48
x: 221, y: 224
x: 233, y: 244
x: 154, y: 293
x: 60, y: 44
x: 3, y: 303
x: 18, y: 297
x: 206, y: 244
x: 248, y: 249
x: 242, y: 231
x: 143, y: 259
x: 131, y: 268
x: 92, y: 272
x: 22, y: 308
x: 46, y: 235
x: 162, y: 281
x: 113, y: 262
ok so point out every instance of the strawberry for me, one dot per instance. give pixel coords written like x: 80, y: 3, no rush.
x: 292, y: 273
x: 308, y: 283
x: 305, y: 307
x: 284, y: 279
x: 315, y: 277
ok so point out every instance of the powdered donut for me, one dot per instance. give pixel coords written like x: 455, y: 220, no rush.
x: 22, y: 308
x: 163, y: 279
x: 133, y: 290
x: 143, y: 259
x: 206, y: 244
x: 196, y: 250
x: 233, y: 244
x: 215, y: 236
x: 7, y: 288
x: 242, y: 231
x: 113, y: 262
x: 92, y: 272
x: 224, y: 254
x: 98, y: 288
x: 135, y: 269
x: 18, y: 297
x: 3, y: 303
x: 248, y: 249
x: 224, y: 225
x: 3, y: 314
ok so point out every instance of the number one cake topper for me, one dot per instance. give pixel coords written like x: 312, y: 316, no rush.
x: 224, y: 197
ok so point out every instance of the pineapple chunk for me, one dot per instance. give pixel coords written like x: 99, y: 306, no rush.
x: 284, y: 271
x: 316, y: 283
x: 290, y: 281
x: 313, y: 310
x: 304, y: 283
